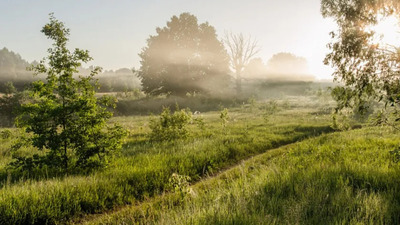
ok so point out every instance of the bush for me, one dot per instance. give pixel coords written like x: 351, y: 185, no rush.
x: 170, y: 126
x: 179, y: 184
x: 270, y: 109
x: 5, y: 134
x: 10, y: 103
x: 224, y: 117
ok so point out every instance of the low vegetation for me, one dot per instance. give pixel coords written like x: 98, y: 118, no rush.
x: 342, y: 178
x: 170, y: 126
x: 145, y: 167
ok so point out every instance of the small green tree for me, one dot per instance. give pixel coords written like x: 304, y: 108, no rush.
x: 170, y: 126
x: 63, y: 117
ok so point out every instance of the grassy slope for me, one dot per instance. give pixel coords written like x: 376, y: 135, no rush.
x: 340, y: 178
x: 144, y: 167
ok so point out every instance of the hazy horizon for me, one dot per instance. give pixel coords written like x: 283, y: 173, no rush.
x: 115, y: 33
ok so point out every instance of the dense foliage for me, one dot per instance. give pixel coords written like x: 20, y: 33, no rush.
x: 63, y: 117
x: 170, y: 126
x: 10, y: 103
x: 368, y: 69
x: 184, y: 57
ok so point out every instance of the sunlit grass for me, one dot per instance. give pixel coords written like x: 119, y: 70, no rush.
x: 341, y: 178
x: 143, y: 168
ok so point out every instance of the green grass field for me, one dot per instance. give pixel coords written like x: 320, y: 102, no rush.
x: 340, y: 178
x: 286, y: 167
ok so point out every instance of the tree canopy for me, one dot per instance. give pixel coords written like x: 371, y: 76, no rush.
x: 184, y: 57
x: 368, y: 69
x: 287, y: 63
x: 255, y: 69
x: 64, y: 119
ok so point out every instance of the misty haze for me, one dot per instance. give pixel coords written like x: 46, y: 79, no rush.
x: 200, y: 112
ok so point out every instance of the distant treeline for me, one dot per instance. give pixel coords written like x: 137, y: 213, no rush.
x: 123, y: 79
x: 14, y: 69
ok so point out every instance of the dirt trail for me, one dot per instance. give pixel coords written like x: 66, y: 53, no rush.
x: 273, y: 153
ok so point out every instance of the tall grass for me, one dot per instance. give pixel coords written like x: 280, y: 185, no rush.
x: 341, y: 178
x: 144, y: 167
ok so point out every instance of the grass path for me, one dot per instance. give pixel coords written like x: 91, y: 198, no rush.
x: 339, y: 178
x: 98, y: 218
x: 167, y: 197
x: 143, y: 169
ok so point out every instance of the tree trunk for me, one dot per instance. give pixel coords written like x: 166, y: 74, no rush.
x: 65, y: 157
x: 238, y: 84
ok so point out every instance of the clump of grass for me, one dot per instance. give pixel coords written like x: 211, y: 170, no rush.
x: 270, y: 108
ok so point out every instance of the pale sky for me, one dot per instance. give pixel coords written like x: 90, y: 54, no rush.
x: 115, y: 31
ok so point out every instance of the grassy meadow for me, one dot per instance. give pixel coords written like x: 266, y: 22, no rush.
x: 340, y: 178
x: 144, y: 167
x: 268, y: 161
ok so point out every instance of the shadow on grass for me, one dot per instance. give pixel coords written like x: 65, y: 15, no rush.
x: 314, y: 130
x: 149, y: 106
x: 330, y: 196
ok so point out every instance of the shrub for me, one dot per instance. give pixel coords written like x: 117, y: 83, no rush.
x: 200, y: 123
x: 179, y: 184
x: 5, y: 134
x: 270, y: 109
x: 10, y: 103
x: 224, y: 117
x: 170, y: 126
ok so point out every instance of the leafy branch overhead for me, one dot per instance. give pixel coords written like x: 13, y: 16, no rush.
x: 368, y: 69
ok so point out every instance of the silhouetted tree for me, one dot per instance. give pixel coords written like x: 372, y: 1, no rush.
x: 255, y: 68
x: 368, y: 70
x: 241, y: 50
x: 287, y: 63
x: 184, y: 57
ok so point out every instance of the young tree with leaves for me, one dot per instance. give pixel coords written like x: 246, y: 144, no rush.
x: 64, y: 118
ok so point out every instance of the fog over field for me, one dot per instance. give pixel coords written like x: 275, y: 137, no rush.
x: 200, y: 112
x: 115, y: 33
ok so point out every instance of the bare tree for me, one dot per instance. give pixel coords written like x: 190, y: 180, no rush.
x: 241, y: 50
